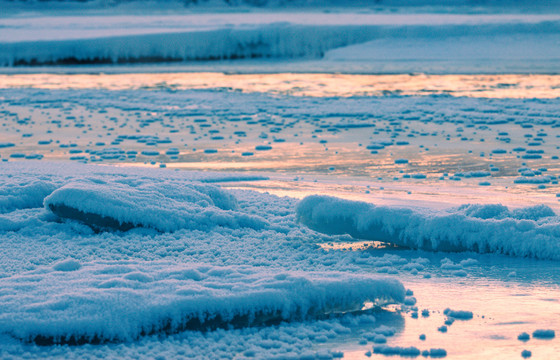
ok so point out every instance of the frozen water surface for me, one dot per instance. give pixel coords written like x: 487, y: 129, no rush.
x: 345, y: 148
x: 171, y: 211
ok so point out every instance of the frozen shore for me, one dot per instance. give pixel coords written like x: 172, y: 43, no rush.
x: 300, y: 41
x: 67, y: 280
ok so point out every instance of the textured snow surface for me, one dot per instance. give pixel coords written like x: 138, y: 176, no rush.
x: 68, y: 40
x: 211, y: 263
x: 528, y: 232
x: 61, y: 281
x: 107, y: 199
x: 164, y: 206
x: 123, y: 300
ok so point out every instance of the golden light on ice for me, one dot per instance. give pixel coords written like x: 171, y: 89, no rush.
x: 317, y: 85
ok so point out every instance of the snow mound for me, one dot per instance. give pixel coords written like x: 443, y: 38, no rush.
x: 162, y: 206
x: 72, y: 40
x: 78, y: 303
x: 528, y: 232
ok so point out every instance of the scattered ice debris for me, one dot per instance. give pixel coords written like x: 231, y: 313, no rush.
x: 499, y: 151
x: 447, y: 264
x: 533, y: 180
x: 385, y: 330
x: 529, y: 232
x: 397, y: 350
x: 442, y: 329
x: 437, y: 353
x: 410, y: 300
x: 475, y: 174
x: 125, y: 300
x: 459, y: 273
x: 458, y: 314
x: 380, y: 339
x: 544, y: 334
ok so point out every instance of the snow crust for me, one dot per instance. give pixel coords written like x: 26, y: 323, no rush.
x: 101, y: 199
x: 527, y: 232
x: 435, y: 42
x: 163, y: 206
x: 88, y: 302
x: 219, y: 259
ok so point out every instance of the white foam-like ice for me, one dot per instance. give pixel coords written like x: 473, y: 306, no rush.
x: 161, y: 206
x: 61, y: 40
x: 528, y: 232
x: 73, y: 302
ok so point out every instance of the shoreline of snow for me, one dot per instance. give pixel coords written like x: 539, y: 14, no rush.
x: 79, y: 303
x: 333, y: 42
x: 525, y: 232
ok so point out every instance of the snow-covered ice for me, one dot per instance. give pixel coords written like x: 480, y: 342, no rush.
x: 162, y: 206
x: 351, y: 40
x: 279, y: 180
x: 74, y: 285
x: 530, y: 232
x: 98, y: 302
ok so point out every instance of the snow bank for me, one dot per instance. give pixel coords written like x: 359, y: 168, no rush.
x: 26, y: 185
x: 270, y: 41
x: 77, y: 303
x: 148, y: 39
x: 110, y: 198
x: 163, y: 207
x: 528, y: 232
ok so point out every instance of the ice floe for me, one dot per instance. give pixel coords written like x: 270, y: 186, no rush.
x: 528, y: 232
x: 78, y: 303
x: 164, y: 207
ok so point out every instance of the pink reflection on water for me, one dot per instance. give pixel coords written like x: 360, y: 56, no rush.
x: 317, y: 85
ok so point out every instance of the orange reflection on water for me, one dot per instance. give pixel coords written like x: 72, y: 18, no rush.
x: 317, y: 85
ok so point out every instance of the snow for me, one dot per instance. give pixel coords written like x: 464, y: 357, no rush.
x: 141, y: 279
x: 170, y: 213
x: 83, y: 286
x: 349, y: 41
x: 459, y: 314
x: 78, y: 303
x: 544, y: 334
x: 404, y: 352
x: 528, y: 232
x: 162, y: 206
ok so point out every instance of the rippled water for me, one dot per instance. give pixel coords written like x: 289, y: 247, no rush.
x: 317, y: 85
